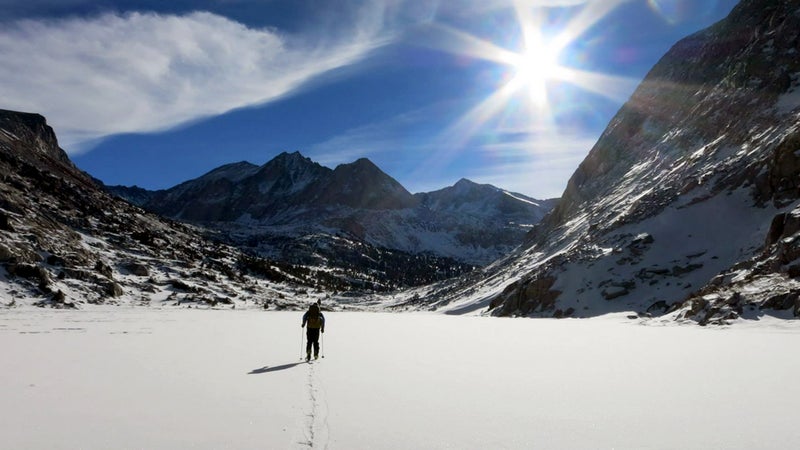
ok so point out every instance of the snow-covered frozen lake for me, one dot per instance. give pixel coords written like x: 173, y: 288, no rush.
x: 164, y: 379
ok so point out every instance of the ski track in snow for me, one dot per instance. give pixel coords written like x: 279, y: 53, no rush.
x: 314, y: 432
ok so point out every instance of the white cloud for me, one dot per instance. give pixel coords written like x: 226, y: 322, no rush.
x: 531, y: 160
x: 461, y: 8
x: 141, y: 72
x: 537, y: 168
x: 387, y: 139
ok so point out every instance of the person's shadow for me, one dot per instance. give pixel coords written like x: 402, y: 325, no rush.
x: 268, y: 369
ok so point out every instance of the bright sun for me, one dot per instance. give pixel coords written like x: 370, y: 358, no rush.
x: 534, y: 68
x: 521, y: 97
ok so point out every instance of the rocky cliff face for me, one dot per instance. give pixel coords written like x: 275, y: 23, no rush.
x: 65, y: 243
x: 670, y: 211
x: 18, y: 130
x: 716, y: 84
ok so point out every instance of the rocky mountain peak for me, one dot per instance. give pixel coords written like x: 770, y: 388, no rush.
x: 289, y: 172
x: 233, y: 172
x: 291, y: 159
x: 361, y: 184
x: 33, y: 132
x: 363, y: 170
x: 463, y: 192
x: 464, y: 185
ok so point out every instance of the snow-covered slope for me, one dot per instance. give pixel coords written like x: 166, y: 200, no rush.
x: 690, y: 178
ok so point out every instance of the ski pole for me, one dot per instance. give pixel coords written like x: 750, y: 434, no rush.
x: 301, y: 343
x: 322, y: 344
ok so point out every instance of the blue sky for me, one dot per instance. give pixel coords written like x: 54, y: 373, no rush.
x: 508, y: 92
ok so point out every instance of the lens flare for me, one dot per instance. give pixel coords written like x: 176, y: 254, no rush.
x: 535, y: 68
x: 678, y: 11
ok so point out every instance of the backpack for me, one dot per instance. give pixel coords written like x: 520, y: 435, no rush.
x: 314, y: 317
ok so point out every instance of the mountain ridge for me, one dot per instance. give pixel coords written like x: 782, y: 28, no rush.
x: 291, y: 197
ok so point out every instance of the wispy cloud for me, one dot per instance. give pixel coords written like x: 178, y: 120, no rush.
x: 141, y: 72
x: 532, y: 160
x: 387, y: 140
x: 535, y: 167
x: 532, y: 166
x: 472, y: 7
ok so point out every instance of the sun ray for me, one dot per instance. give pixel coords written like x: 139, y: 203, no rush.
x: 530, y: 21
x: 522, y: 101
x: 461, y: 131
x: 611, y: 87
x: 591, y: 14
x: 458, y: 42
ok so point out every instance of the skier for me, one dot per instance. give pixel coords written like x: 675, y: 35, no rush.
x: 316, y: 325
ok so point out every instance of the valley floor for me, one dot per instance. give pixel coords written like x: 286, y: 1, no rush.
x: 163, y: 379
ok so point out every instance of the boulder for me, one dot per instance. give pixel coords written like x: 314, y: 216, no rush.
x: 30, y: 272
x: 6, y: 254
x: 104, y: 269
x: 5, y: 222
x: 137, y: 269
x: 782, y: 302
x: 612, y: 292
x: 525, y: 296
x: 659, y: 307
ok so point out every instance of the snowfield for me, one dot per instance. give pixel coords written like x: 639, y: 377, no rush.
x: 162, y: 379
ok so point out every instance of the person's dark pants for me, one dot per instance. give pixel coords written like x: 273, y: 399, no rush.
x: 312, y: 338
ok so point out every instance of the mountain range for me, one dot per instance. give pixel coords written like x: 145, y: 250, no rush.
x: 65, y: 242
x: 272, y: 209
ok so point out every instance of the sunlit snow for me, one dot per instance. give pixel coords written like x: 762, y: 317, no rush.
x: 163, y: 379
